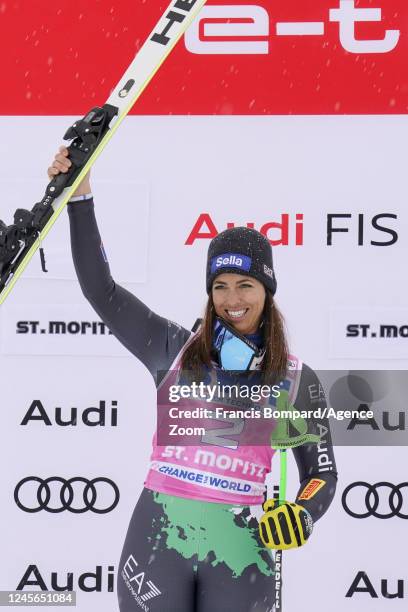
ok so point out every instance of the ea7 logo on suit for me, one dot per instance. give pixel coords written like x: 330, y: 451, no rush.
x: 135, y: 580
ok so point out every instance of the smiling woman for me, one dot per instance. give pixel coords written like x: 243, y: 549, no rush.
x: 241, y: 284
x: 194, y: 533
x: 239, y: 300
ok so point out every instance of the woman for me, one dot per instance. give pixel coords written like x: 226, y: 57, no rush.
x: 194, y: 542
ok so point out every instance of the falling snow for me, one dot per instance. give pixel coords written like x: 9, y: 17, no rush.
x: 317, y: 70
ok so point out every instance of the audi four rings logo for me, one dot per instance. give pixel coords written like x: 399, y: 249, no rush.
x: 369, y: 504
x: 37, y: 498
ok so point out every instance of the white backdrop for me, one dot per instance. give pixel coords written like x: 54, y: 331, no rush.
x: 152, y: 183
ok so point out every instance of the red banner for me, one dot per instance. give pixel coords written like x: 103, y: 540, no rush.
x: 281, y: 57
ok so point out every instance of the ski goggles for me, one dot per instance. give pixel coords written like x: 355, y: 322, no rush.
x: 234, y: 351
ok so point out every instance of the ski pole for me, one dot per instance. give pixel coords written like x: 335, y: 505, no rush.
x: 278, y: 553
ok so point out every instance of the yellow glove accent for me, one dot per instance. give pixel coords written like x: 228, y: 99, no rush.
x: 285, y: 526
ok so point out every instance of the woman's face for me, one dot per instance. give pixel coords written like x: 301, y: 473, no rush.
x: 239, y: 300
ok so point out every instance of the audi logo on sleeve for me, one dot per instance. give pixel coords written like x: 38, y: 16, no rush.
x: 77, y: 495
x: 382, y: 500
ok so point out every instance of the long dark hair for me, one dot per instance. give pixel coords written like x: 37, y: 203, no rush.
x: 274, y: 364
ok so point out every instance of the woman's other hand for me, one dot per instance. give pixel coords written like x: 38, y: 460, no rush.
x: 62, y: 163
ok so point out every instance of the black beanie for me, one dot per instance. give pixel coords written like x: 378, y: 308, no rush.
x: 241, y: 250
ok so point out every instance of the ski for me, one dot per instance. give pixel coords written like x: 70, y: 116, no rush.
x: 89, y: 136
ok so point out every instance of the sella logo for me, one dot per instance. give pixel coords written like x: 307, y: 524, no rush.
x: 245, y: 29
x: 231, y: 260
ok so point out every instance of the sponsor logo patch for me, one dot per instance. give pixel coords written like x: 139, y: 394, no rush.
x: 268, y: 271
x: 231, y: 260
x: 312, y: 488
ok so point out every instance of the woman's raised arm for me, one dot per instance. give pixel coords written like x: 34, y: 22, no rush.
x: 154, y: 340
